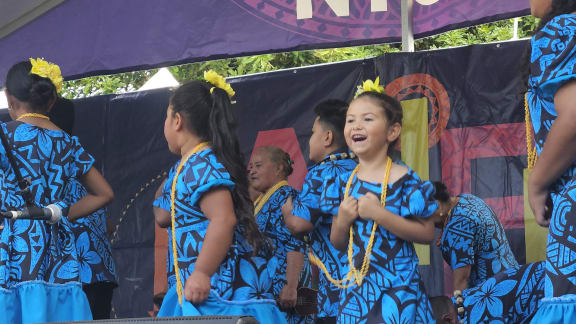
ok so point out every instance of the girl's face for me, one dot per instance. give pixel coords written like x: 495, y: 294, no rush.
x: 367, y: 131
x: 171, y: 126
x: 540, y: 8
x: 263, y: 172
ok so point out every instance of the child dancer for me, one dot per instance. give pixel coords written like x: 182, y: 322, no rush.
x: 206, y: 204
x: 381, y: 208
x: 38, y: 261
x: 329, y: 153
x: 551, y: 96
x: 269, y: 169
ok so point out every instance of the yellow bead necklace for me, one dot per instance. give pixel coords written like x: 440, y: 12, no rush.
x: 355, y: 276
x: 530, y: 149
x: 35, y: 115
x: 263, y: 199
x: 179, y: 288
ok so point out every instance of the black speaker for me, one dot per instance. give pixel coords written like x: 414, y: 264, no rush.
x: 181, y: 320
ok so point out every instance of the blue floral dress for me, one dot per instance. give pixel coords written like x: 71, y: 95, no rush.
x: 271, y: 223
x: 243, y: 284
x: 92, y: 243
x: 392, y: 291
x: 475, y: 237
x: 39, y: 268
x: 553, y: 64
x: 307, y: 206
x: 511, y: 296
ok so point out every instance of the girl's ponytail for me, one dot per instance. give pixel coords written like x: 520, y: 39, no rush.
x: 222, y: 135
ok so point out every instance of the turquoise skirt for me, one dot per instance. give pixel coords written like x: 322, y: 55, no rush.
x: 263, y: 310
x: 556, y: 310
x: 41, y: 302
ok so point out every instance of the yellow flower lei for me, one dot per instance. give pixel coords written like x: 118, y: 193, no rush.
x: 370, y: 85
x: 219, y: 82
x: 47, y: 70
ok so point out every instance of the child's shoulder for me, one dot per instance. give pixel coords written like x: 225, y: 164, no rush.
x: 204, y: 165
x: 397, y: 172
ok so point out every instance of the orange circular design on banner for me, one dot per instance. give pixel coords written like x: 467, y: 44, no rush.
x: 429, y: 87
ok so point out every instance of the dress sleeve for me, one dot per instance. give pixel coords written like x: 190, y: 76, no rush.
x: 418, y: 197
x: 164, y: 200
x: 292, y: 244
x: 83, y: 161
x: 203, y: 177
x: 300, y: 209
x: 554, y: 56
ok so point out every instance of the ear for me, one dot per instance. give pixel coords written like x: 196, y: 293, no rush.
x: 394, y: 132
x: 328, y: 138
x: 178, y: 121
x: 279, y: 169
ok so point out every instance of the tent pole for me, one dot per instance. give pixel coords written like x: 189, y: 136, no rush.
x: 407, y: 25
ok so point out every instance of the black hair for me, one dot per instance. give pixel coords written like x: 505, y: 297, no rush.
x: 331, y: 114
x: 208, y: 114
x: 392, y: 110
x: 33, y: 89
x: 442, y: 305
x: 441, y: 192
x: 557, y: 8
x: 279, y: 157
x: 62, y: 114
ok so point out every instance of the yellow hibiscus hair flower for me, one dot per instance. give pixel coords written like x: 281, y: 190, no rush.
x: 219, y: 82
x: 47, y: 70
x: 370, y: 85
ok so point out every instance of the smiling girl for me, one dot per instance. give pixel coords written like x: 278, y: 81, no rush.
x: 381, y: 208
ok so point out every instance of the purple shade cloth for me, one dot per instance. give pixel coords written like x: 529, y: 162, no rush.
x: 89, y: 37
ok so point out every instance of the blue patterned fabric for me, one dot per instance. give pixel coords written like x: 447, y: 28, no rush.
x: 392, y: 291
x: 241, y: 277
x: 511, y: 296
x: 264, y: 310
x: 475, y: 237
x: 271, y: 223
x: 556, y: 310
x: 92, y: 243
x: 170, y: 272
x: 34, y: 252
x: 553, y: 63
x: 307, y: 206
x: 41, y: 302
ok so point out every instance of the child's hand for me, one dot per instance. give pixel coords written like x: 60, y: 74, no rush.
x: 368, y: 205
x: 348, y: 210
x: 288, y: 297
x: 540, y: 206
x: 197, y: 287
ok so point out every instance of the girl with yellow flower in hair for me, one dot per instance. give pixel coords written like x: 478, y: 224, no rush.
x: 380, y: 208
x: 39, y: 269
x: 207, y: 208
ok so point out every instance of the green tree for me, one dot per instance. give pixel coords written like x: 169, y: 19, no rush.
x: 125, y: 82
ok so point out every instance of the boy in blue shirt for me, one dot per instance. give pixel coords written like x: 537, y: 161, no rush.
x: 329, y: 152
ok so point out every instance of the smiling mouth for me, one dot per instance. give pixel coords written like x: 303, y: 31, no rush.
x: 358, y: 138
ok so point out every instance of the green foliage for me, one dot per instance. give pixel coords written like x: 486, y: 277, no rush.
x: 125, y: 82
